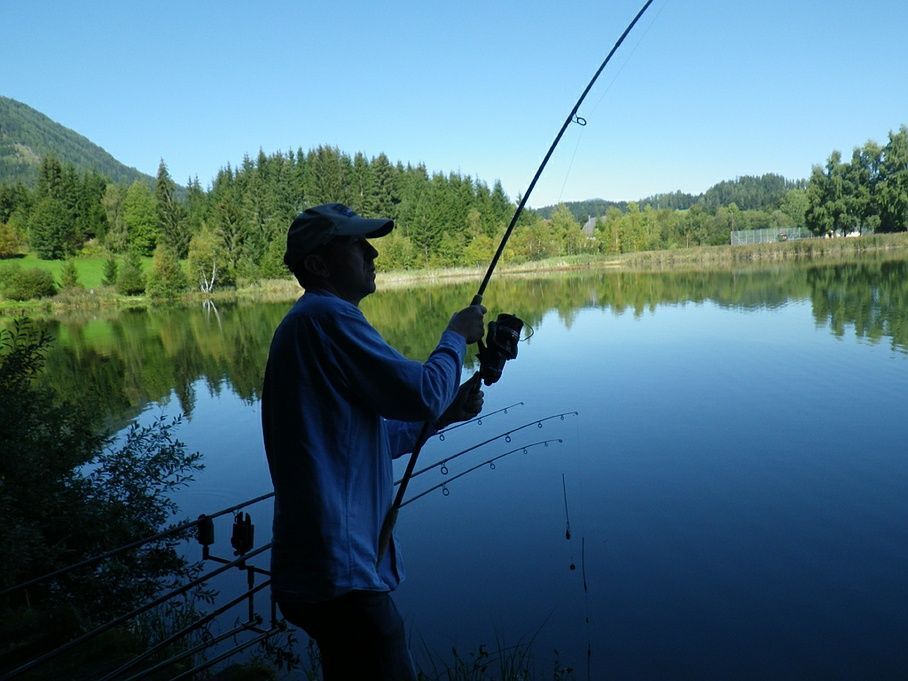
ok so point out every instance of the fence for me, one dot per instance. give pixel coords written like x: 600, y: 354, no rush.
x: 769, y: 235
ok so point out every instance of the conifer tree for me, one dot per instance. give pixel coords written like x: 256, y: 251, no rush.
x: 171, y: 219
x: 130, y: 278
x: 69, y: 275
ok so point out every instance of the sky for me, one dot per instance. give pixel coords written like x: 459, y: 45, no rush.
x: 700, y: 92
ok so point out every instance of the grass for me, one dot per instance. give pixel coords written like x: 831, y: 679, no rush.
x: 90, y: 267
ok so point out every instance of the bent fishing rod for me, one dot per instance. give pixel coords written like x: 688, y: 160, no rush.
x: 504, y: 332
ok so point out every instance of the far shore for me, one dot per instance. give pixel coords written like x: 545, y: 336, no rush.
x: 702, y: 258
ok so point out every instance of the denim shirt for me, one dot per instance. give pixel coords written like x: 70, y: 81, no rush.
x: 338, y: 404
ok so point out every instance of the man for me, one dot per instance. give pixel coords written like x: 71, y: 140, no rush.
x: 338, y: 404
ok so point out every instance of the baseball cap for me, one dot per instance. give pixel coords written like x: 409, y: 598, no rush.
x: 316, y: 226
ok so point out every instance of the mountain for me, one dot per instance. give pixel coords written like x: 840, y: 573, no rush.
x: 27, y: 135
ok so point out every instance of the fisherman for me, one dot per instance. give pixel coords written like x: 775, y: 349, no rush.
x: 338, y: 404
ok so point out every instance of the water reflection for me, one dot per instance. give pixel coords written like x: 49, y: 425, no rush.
x: 123, y: 362
x: 735, y: 479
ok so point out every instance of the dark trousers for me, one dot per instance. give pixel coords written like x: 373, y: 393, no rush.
x: 360, y: 636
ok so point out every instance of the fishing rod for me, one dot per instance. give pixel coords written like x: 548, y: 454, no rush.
x: 572, y: 117
x: 506, y: 436
x: 503, y: 333
x: 477, y: 420
x: 489, y: 462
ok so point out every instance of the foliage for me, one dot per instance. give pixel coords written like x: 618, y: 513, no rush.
x: 208, y: 262
x: 442, y: 219
x: 69, y: 275
x: 171, y: 219
x: 140, y: 218
x: 868, y: 192
x: 51, y: 230
x: 130, y: 278
x: 92, y: 494
x: 27, y: 283
x: 11, y: 240
x: 110, y: 272
x: 167, y: 279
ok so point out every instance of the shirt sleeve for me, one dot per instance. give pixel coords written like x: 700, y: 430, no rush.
x: 402, y: 435
x: 396, y: 387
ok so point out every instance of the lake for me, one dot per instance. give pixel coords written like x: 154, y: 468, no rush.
x: 734, y: 484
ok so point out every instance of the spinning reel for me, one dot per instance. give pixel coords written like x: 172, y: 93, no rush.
x: 500, y: 346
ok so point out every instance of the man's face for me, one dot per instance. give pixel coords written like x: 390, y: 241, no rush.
x: 351, y: 263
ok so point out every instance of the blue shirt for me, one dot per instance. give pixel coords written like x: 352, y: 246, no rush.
x: 338, y: 404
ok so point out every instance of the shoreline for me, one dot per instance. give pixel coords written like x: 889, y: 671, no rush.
x: 701, y: 258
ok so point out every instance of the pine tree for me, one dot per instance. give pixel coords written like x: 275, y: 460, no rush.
x: 171, y: 218
x: 130, y: 279
x: 69, y: 275
x: 110, y: 271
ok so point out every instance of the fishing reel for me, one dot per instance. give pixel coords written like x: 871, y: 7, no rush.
x: 500, y: 346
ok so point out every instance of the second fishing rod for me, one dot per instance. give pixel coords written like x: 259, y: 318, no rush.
x: 503, y: 334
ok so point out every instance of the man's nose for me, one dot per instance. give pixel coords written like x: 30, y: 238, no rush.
x: 370, y: 251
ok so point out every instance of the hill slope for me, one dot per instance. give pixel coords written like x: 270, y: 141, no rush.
x: 27, y: 135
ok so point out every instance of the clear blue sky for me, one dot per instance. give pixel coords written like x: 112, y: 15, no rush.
x: 700, y: 92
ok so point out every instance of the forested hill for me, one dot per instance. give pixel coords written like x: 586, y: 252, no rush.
x: 27, y: 135
x: 748, y: 192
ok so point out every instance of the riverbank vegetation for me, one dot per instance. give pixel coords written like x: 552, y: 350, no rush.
x: 163, y: 240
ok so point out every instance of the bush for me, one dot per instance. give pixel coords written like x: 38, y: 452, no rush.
x: 130, y: 280
x: 69, y: 275
x: 19, y: 284
x: 110, y: 272
x: 167, y: 279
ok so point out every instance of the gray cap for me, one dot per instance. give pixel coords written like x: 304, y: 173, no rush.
x: 316, y: 226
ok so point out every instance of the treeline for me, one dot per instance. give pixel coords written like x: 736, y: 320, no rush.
x: 748, y: 192
x: 236, y: 228
x: 868, y: 193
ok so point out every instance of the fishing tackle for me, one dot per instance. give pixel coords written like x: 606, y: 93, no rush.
x: 443, y: 486
x: 496, y: 361
x: 506, y: 436
x: 477, y: 420
x: 500, y: 346
x: 572, y: 117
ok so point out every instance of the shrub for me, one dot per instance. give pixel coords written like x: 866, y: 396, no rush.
x: 130, y: 280
x: 110, y: 272
x: 167, y: 279
x: 26, y: 284
x: 69, y: 275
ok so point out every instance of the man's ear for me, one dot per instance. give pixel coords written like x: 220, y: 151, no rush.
x: 316, y: 265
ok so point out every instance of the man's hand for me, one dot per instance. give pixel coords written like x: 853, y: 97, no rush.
x: 469, y: 323
x: 466, y: 404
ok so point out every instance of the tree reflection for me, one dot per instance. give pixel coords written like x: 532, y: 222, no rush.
x: 120, y: 364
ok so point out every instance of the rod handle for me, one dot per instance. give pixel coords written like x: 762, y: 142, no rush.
x: 384, y: 537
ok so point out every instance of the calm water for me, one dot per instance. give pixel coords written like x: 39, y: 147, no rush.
x: 736, y: 479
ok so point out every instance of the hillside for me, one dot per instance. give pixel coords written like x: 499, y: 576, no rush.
x: 27, y: 135
x: 747, y: 192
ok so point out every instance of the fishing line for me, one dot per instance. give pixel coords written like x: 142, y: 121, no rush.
x: 567, y: 516
x: 504, y: 347
x: 443, y: 486
x: 572, y: 117
x: 630, y: 56
x: 586, y: 603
